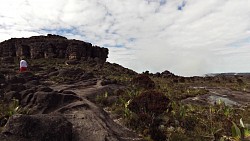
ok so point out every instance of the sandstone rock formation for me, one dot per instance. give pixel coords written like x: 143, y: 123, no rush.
x: 52, y: 46
x: 59, y: 112
x: 40, y: 127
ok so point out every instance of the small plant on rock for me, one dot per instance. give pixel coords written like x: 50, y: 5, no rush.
x: 7, y: 110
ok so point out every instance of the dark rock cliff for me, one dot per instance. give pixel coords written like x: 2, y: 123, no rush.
x: 52, y: 46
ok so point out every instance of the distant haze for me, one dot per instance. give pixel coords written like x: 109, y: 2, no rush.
x: 186, y: 37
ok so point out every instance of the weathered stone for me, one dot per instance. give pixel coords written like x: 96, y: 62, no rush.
x: 68, y: 92
x: 72, y: 62
x: 1, y: 93
x: 27, y: 76
x: 108, y: 81
x: 32, y: 83
x: 86, y: 76
x: 26, y: 92
x: 7, y: 60
x: 55, y: 73
x: 14, y: 79
x: 15, y: 87
x: 2, y: 78
x: 45, y: 102
x: 51, y: 46
x: 71, y: 73
x: 44, y: 88
x: 12, y: 95
x: 39, y: 127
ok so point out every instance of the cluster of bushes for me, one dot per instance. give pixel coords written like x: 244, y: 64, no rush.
x: 152, y: 107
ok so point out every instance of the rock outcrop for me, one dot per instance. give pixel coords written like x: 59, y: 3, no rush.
x: 59, y: 112
x: 40, y: 127
x: 55, y: 101
x: 52, y: 46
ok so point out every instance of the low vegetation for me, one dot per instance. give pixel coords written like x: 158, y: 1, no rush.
x: 7, y: 109
x: 154, y: 109
x: 152, y: 105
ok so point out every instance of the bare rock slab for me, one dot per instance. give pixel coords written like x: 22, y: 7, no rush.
x: 41, y: 127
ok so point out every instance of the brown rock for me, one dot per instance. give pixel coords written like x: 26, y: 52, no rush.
x: 38, y: 127
x: 51, y: 46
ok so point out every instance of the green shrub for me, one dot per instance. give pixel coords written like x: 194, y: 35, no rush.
x: 7, y: 110
x: 150, y: 102
x: 148, y: 106
x: 143, y: 81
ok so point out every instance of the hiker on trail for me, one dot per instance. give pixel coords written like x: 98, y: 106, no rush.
x: 23, y: 65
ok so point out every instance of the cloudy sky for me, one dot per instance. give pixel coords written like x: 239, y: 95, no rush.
x: 186, y: 37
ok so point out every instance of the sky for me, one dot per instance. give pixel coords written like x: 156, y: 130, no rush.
x: 186, y: 37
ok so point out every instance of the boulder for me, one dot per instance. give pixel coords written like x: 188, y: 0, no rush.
x: 38, y: 127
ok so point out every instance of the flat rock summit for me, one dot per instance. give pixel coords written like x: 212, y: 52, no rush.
x: 51, y: 46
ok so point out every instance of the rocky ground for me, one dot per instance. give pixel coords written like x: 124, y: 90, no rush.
x: 59, y: 111
x: 68, y: 95
x: 216, y: 94
x: 59, y: 102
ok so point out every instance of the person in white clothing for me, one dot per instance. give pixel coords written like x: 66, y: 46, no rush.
x: 23, y: 65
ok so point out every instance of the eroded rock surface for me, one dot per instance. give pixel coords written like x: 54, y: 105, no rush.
x: 61, y: 108
x: 50, y: 46
x: 58, y: 100
x: 40, y: 127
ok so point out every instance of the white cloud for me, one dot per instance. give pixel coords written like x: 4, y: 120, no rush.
x: 187, y: 37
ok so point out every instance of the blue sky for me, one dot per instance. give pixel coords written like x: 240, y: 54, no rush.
x: 186, y: 37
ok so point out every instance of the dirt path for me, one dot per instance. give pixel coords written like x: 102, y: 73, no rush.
x: 90, y: 122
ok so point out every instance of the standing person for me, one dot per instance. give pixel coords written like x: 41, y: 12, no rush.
x: 23, y: 65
